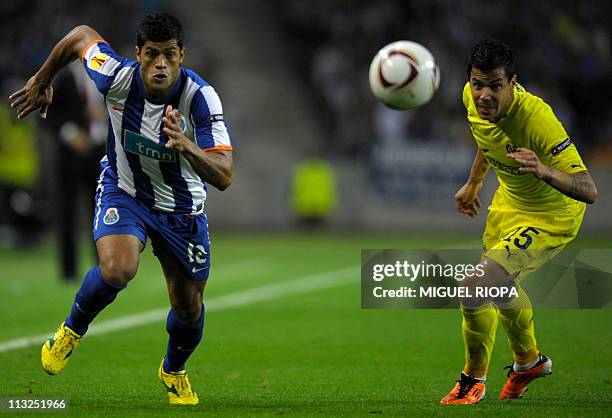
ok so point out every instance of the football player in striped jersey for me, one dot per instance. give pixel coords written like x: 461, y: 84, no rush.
x: 167, y: 141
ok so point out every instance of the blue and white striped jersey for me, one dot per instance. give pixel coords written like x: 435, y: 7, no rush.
x: 136, y: 157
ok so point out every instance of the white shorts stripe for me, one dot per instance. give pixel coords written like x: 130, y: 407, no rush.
x: 100, y: 190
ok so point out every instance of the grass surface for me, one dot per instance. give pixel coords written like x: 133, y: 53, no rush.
x: 309, y: 353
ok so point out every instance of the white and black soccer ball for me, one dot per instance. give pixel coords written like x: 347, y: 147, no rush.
x: 404, y: 75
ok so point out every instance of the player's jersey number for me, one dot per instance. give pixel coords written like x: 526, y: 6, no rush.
x: 196, y: 253
x: 523, y: 239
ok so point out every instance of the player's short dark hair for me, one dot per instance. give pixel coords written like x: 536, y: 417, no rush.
x: 159, y: 27
x: 490, y: 54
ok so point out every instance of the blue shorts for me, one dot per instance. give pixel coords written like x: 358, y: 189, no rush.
x: 183, y: 236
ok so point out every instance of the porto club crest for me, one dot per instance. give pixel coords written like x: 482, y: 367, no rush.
x: 111, y: 216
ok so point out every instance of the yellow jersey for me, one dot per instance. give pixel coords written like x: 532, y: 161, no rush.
x: 529, y: 123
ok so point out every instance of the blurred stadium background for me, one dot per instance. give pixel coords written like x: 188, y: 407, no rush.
x: 292, y: 76
x: 293, y: 79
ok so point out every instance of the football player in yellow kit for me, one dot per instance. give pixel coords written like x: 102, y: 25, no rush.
x: 536, y: 211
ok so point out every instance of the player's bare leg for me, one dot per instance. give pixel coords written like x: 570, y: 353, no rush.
x: 118, y: 255
x: 185, y: 324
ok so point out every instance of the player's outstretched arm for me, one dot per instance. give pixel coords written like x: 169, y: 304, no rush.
x: 579, y: 186
x: 214, y: 167
x: 466, y: 199
x: 38, y: 93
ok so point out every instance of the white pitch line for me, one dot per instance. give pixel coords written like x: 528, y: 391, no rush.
x: 246, y: 297
x: 240, y: 269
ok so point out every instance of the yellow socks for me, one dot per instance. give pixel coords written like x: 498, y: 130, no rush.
x: 478, y: 328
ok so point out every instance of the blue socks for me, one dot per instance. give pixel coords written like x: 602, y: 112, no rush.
x: 184, y: 338
x: 94, y: 295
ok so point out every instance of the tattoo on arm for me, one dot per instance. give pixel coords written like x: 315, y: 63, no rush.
x: 578, y: 186
x: 479, y: 177
x: 581, y: 188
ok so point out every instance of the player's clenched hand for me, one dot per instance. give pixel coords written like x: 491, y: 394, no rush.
x: 529, y: 161
x: 34, y: 95
x: 466, y: 199
x: 172, y: 129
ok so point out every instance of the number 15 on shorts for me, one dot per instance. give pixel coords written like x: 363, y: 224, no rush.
x: 524, y: 239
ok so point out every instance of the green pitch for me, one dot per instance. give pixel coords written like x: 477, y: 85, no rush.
x: 285, y: 335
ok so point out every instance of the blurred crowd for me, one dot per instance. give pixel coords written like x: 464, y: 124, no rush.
x: 563, y: 54
x: 562, y: 50
x: 49, y: 167
x: 31, y: 28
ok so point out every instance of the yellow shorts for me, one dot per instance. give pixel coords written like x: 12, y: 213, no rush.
x: 521, y: 241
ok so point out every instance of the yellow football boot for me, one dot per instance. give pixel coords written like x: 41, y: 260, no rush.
x: 178, y: 387
x: 56, y: 350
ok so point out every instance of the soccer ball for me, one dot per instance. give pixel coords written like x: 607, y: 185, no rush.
x: 404, y: 75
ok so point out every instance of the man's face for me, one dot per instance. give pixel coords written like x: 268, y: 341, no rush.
x: 160, y: 66
x: 492, y: 92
